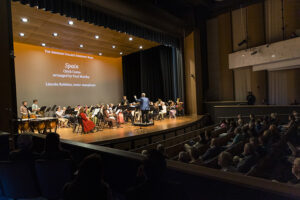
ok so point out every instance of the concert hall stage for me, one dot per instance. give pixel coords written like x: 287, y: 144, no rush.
x: 127, y: 130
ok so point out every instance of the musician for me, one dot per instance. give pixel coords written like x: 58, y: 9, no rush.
x: 23, y: 109
x: 163, y: 110
x: 35, y: 108
x: 124, y: 101
x: 144, y: 106
x: 60, y: 115
x: 88, y: 125
x: 109, y: 117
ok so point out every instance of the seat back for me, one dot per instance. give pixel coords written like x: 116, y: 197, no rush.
x: 17, y: 180
x: 52, y: 175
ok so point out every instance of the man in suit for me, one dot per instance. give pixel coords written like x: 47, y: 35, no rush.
x: 144, y: 106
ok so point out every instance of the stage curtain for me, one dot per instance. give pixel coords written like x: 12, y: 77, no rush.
x: 152, y: 71
x: 87, y: 14
x: 278, y: 87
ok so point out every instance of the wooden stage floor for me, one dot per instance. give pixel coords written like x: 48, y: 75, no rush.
x: 127, y: 130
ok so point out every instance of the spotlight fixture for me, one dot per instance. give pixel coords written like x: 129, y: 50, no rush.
x: 97, y: 36
x: 141, y: 47
x: 253, y: 53
x: 43, y: 44
x: 100, y: 54
x: 121, y: 53
x: 55, y: 34
x: 70, y: 22
x: 113, y: 46
x: 81, y: 46
x: 130, y: 39
x: 242, y: 42
x: 24, y: 19
x: 22, y: 34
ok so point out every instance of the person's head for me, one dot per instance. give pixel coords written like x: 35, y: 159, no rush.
x: 124, y: 97
x: 81, y: 110
x: 237, y: 130
x: 144, y: 152
x: 213, y: 142
x: 24, y: 103
x: 225, y: 159
x: 295, y: 114
x: 58, y: 108
x: 183, y: 157
x: 90, y: 170
x: 291, y: 118
x: 296, y: 168
x: 251, y: 116
x: 235, y: 160
x: 272, y: 127
x: 194, y: 153
x: 154, y: 165
x: 240, y: 122
x: 24, y: 141
x: 273, y: 115
x: 248, y: 149
x: 267, y: 133
x: 35, y: 101
x: 160, y: 148
x: 143, y: 94
x: 239, y: 116
x: 64, y: 108
x: 52, y: 142
x: 253, y: 141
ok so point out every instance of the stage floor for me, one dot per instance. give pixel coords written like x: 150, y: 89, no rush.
x: 127, y: 130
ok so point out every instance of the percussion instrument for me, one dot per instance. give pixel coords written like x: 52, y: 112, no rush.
x: 41, y: 124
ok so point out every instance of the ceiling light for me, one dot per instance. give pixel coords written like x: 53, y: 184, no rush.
x: 100, y: 54
x: 243, y: 55
x: 24, y: 19
x: 55, y: 34
x: 43, y: 44
x: 113, y: 46
x: 22, y: 34
x: 71, y: 22
x: 121, y: 53
x: 97, y: 36
x: 81, y: 46
x: 141, y: 47
x: 130, y: 39
x: 273, y: 56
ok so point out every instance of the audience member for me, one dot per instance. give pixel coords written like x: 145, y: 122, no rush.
x: 225, y: 161
x: 183, y: 157
x: 212, y: 151
x: 248, y: 159
x: 24, y: 150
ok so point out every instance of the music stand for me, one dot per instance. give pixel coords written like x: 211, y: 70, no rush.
x: 53, y: 108
x: 43, y: 108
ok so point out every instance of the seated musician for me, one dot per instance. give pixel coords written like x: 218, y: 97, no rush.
x: 124, y: 101
x: 155, y: 110
x: 109, y: 117
x: 172, y: 112
x: 87, y: 124
x: 35, y: 107
x: 180, y: 107
x: 163, y: 112
x: 62, y: 120
x: 24, y: 110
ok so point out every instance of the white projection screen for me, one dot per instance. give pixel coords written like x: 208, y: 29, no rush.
x: 63, y: 78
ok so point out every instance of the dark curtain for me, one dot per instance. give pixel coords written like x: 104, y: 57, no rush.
x: 156, y: 73
x: 91, y: 15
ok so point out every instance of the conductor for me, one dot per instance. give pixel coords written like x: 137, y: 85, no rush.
x: 144, y: 106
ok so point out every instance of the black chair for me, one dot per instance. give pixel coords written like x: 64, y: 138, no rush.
x: 78, y: 125
x: 52, y: 175
x: 17, y: 180
x: 30, y: 109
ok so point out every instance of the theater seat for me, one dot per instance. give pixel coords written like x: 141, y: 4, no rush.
x: 52, y: 175
x: 17, y: 180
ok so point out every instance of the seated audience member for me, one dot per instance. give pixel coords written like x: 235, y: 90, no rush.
x: 183, y: 157
x: 297, y: 118
x: 53, y: 151
x: 225, y: 161
x: 240, y: 123
x: 223, y: 124
x: 62, y: 120
x: 24, y: 151
x: 154, y: 186
x: 145, y: 152
x: 251, y: 117
x: 161, y: 149
x: 238, y: 136
x: 89, y: 183
x: 88, y: 125
x: 274, y: 119
x: 249, y: 158
x: 194, y: 154
x: 213, y: 150
x: 296, y: 172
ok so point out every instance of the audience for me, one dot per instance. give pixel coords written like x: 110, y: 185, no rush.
x: 296, y: 172
x: 225, y: 161
x: 24, y: 151
x: 247, y: 159
x: 89, y: 183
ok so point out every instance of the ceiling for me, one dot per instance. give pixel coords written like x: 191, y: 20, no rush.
x: 41, y: 25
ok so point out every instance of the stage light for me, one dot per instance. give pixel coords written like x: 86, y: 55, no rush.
x: 130, y: 39
x: 55, y: 34
x: 24, y: 19
x: 43, y: 44
x: 100, y: 54
x: 141, y: 47
x: 81, y: 46
x: 97, y: 36
x: 71, y: 22
x: 22, y: 34
x: 113, y: 46
x: 121, y: 53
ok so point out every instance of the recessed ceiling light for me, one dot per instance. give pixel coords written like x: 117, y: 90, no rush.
x: 81, y: 46
x: 43, y: 44
x: 24, y: 19
x: 100, y: 54
x: 113, y: 46
x: 97, y: 36
x: 22, y: 34
x: 71, y: 22
x: 243, y: 55
x: 141, y: 47
x: 55, y: 34
x: 121, y: 53
x: 130, y: 39
x: 273, y: 56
